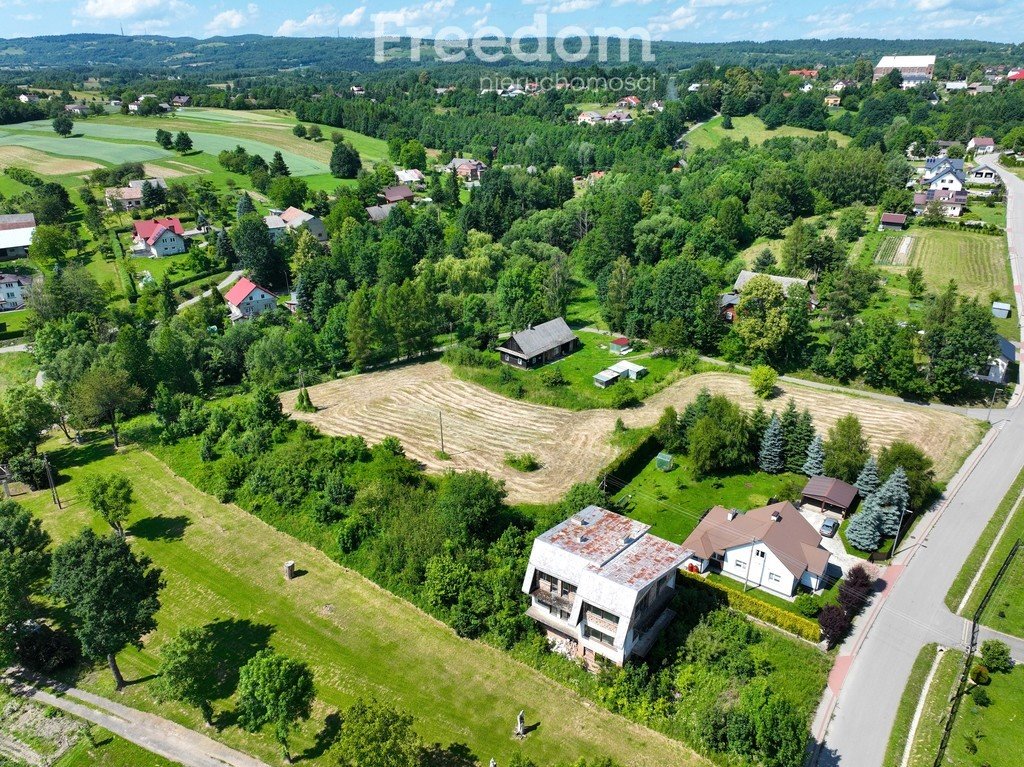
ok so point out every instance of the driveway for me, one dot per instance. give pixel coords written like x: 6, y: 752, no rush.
x: 834, y: 545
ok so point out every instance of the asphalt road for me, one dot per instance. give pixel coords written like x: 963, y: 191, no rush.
x: 871, y: 674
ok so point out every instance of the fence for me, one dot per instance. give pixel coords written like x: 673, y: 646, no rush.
x: 965, y: 675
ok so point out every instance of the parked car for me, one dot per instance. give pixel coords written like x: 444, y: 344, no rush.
x: 829, y: 527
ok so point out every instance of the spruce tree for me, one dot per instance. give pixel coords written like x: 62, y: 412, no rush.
x: 770, y: 458
x: 790, y: 422
x: 892, y: 499
x: 865, y: 529
x: 225, y: 250
x: 798, y: 440
x: 867, y: 481
x: 244, y: 205
x: 815, y: 463
x: 759, y: 421
x: 278, y: 167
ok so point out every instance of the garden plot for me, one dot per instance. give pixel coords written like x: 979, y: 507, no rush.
x: 895, y: 251
x: 481, y: 427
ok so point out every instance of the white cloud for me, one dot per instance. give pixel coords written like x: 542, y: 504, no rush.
x: 931, y: 5
x: 573, y: 6
x: 353, y: 18
x: 434, y: 11
x: 683, y: 16
x: 318, y: 23
x: 617, y: 3
x: 119, y: 9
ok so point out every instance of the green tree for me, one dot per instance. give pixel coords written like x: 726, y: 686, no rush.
x: 63, y: 125
x: 345, y: 161
x: 918, y: 467
x: 188, y: 670
x: 795, y: 248
x: 374, y: 734
x: 314, y: 133
x: 798, y: 438
x: 112, y: 594
x: 814, y: 466
x: 615, y: 308
x: 299, y: 131
x: 770, y: 459
x: 867, y: 481
x: 288, y: 191
x: 359, y: 328
x: 111, y: 496
x: 50, y: 246
x: 225, y: 251
x: 182, y: 143
x: 846, y: 449
x: 892, y: 499
x: 762, y: 380
x: 164, y: 139
x: 274, y: 689
x: 718, y: 439
x: 995, y: 655
x: 865, y: 528
x: 244, y: 205
x: 468, y: 506
x: 24, y: 562
x: 103, y: 394
x: 761, y: 319
x: 278, y: 167
x: 25, y: 415
x: 255, y: 249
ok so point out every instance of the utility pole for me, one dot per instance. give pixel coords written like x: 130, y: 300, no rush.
x: 49, y: 478
x: 896, y: 540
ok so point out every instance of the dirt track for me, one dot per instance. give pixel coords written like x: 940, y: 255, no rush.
x: 480, y: 427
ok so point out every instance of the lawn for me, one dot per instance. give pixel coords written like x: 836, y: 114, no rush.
x: 110, y: 751
x: 14, y: 322
x: 711, y: 133
x: 936, y: 709
x: 1005, y: 611
x: 578, y: 369
x: 908, y: 706
x: 994, y: 214
x: 673, y: 502
x: 16, y: 368
x: 994, y: 730
x: 223, y: 565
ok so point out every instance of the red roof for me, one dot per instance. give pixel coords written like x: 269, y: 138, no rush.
x: 894, y: 218
x: 621, y: 341
x: 241, y: 289
x: 1017, y: 76
x: 151, y: 230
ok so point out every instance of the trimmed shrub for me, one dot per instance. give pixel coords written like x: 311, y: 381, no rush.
x: 834, y: 624
x: 980, y: 696
x: 995, y: 656
x: 980, y: 675
x: 808, y: 604
x: 524, y: 462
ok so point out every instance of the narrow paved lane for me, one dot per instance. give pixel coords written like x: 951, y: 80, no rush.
x: 867, y: 685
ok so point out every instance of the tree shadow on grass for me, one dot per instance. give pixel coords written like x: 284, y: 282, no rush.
x: 73, y: 455
x: 160, y: 528
x: 324, y: 739
x: 233, y: 643
x: 453, y: 755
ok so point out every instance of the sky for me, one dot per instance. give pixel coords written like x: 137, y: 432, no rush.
x: 690, y: 20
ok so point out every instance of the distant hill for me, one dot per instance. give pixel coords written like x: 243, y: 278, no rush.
x: 261, y: 54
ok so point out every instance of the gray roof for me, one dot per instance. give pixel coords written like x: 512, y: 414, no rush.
x: 379, y: 212
x: 17, y: 221
x: 1007, y: 349
x: 539, y: 339
x: 784, y: 282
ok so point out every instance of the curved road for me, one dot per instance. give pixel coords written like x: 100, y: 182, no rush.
x: 872, y: 669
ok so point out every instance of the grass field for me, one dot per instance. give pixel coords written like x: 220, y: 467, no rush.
x: 14, y: 321
x: 711, y: 133
x: 16, y: 368
x: 994, y: 215
x: 672, y: 502
x: 106, y: 152
x: 936, y: 710
x: 110, y: 751
x: 977, y: 262
x: 223, y: 565
x: 993, y: 730
x: 908, y: 705
x: 1005, y: 611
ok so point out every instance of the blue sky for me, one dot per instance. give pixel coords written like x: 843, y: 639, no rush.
x: 694, y: 20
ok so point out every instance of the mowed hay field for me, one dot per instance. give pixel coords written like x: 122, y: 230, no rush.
x: 977, y: 262
x: 481, y: 427
x: 42, y: 163
x: 711, y: 133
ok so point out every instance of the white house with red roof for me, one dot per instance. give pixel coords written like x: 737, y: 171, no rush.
x: 159, y: 237
x: 600, y: 584
x: 981, y: 145
x: 247, y: 299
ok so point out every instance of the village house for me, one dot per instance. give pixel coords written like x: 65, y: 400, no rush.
x: 129, y: 197
x: 841, y: 85
x: 181, y: 101
x: 12, y: 291
x: 628, y: 102
x: 590, y: 117
x: 293, y: 219
x: 892, y: 221
x: 952, y: 202
x: 807, y: 74
x: 28, y: 98
x: 914, y: 69
x: 159, y: 237
x: 948, y: 179
x: 413, y: 177
x: 772, y: 548
x: 984, y: 175
x: 247, y: 299
x: 378, y: 213
x: 396, y: 194
x: 981, y: 145
x: 997, y: 369
x: 728, y: 302
x: 539, y: 345
x: 16, y: 230
x: 466, y: 168
x: 78, y: 110
x: 936, y: 165
x: 618, y: 116
x: 600, y: 585
x: 833, y: 101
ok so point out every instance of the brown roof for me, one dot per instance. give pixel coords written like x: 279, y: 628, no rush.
x: 397, y: 193
x: 17, y: 221
x: 832, y: 491
x: 791, y: 537
x: 894, y: 218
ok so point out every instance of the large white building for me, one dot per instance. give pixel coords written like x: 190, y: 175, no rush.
x: 600, y: 583
x: 16, y: 230
x: 914, y: 69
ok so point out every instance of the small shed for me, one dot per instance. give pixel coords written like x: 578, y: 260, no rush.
x: 897, y: 221
x: 619, y: 345
x: 1001, y: 310
x: 830, y: 494
x: 630, y: 370
x: 664, y: 461
x: 605, y: 378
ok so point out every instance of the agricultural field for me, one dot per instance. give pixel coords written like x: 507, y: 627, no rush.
x: 222, y: 566
x: 711, y: 133
x: 673, y: 502
x: 482, y: 427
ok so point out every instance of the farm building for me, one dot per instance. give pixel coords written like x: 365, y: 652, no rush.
x: 539, y: 345
x: 378, y: 213
x: 605, y: 378
x: 896, y: 221
x: 600, y: 584
x: 619, y: 345
x: 772, y: 548
x: 913, y: 69
x: 1001, y: 309
x: 829, y: 494
x: 16, y: 232
x: 130, y: 197
x: 395, y: 194
x: 620, y: 370
x: 786, y: 283
x: 247, y: 299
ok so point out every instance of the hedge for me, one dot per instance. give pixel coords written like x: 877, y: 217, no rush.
x: 632, y: 460
x: 754, y: 607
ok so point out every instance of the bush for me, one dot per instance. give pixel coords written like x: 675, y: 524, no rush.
x: 464, y: 356
x: 809, y: 605
x: 524, y: 462
x: 46, y: 650
x: 995, y: 656
x: 981, y: 696
x: 624, y: 396
x: 553, y: 377
x: 834, y: 624
x: 980, y: 675
x: 763, y: 379
x: 855, y: 590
